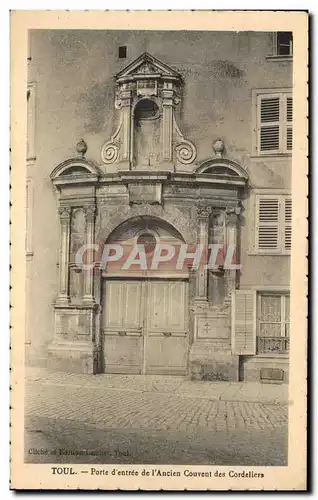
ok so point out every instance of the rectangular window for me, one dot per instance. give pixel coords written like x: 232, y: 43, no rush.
x: 283, y: 43
x: 273, y: 323
x: 273, y: 224
x: 122, y: 52
x: 274, y: 129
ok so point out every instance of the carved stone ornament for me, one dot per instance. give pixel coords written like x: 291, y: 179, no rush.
x: 110, y: 152
x: 232, y: 213
x: 90, y: 212
x: 185, y: 151
x: 65, y: 213
x: 218, y: 148
x: 81, y: 148
x: 238, y: 208
x: 203, y: 211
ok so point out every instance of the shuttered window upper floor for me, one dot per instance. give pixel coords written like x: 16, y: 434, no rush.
x: 273, y: 224
x: 273, y: 122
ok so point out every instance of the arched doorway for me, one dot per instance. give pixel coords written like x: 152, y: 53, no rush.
x: 145, y: 311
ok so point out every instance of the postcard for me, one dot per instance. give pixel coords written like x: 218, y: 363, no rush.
x: 159, y: 183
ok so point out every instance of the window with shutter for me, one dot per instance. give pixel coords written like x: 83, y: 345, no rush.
x: 268, y: 224
x: 244, y: 322
x: 269, y: 124
x: 273, y: 224
x: 273, y: 323
x: 287, y: 223
x: 274, y: 123
x: 289, y: 119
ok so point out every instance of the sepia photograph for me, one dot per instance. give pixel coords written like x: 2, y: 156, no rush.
x: 158, y: 242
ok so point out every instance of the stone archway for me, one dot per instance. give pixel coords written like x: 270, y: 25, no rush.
x: 145, y: 313
x: 184, y: 225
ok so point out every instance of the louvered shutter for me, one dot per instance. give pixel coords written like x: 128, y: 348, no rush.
x: 289, y: 119
x: 269, y: 124
x: 287, y: 223
x: 244, y: 322
x: 267, y: 223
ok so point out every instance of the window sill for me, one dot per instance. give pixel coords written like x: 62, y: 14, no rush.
x: 272, y: 156
x: 269, y: 254
x: 278, y: 58
x: 282, y: 355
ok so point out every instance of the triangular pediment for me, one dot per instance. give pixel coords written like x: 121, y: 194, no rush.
x: 147, y: 65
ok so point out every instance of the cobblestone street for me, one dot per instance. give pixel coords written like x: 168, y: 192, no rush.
x: 127, y: 409
x: 126, y: 421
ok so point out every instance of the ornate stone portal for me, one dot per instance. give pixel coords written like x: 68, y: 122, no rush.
x: 119, y: 322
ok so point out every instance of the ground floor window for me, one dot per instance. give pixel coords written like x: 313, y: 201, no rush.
x: 273, y: 323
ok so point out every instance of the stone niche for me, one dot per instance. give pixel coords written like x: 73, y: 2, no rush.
x: 148, y: 137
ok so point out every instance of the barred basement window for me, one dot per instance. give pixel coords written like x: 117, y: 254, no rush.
x: 273, y: 224
x: 273, y: 323
x: 274, y: 123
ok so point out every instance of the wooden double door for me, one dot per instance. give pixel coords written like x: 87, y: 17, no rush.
x: 145, y: 326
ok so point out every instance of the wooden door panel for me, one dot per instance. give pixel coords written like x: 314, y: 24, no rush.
x: 122, y: 326
x: 166, y: 335
x: 113, y: 300
x: 123, y: 354
x: 166, y: 355
x: 177, y: 317
x: 157, y: 306
x: 133, y: 315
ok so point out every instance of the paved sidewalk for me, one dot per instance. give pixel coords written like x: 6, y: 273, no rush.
x: 252, y: 392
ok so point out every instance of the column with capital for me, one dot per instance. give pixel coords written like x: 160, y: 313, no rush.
x: 63, y: 287
x: 127, y: 144
x: 88, y: 297
x: 231, y: 220
x: 203, y: 217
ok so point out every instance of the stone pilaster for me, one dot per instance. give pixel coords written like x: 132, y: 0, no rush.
x: 88, y: 297
x: 231, y: 242
x: 127, y: 146
x: 63, y: 287
x: 203, y: 217
x: 167, y: 123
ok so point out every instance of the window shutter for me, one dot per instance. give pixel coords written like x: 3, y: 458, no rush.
x: 244, y: 322
x: 269, y: 124
x: 287, y: 224
x: 289, y: 119
x: 267, y: 217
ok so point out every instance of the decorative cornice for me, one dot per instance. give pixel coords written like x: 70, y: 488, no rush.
x: 237, y: 169
x: 146, y: 64
x: 81, y: 163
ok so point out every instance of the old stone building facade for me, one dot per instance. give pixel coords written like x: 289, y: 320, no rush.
x: 176, y: 137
